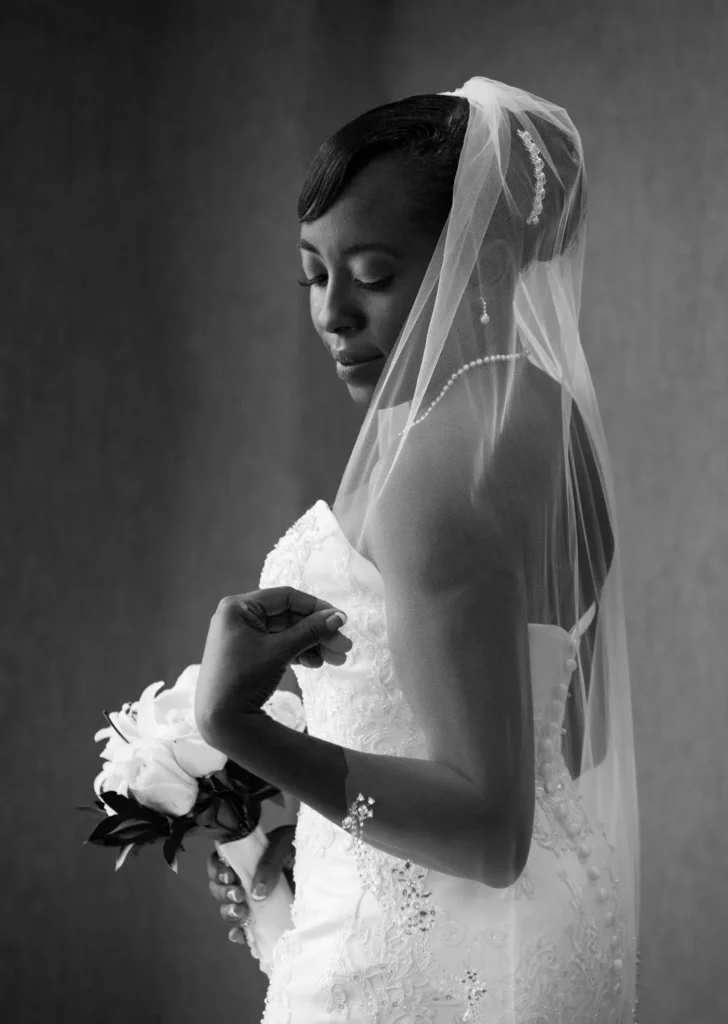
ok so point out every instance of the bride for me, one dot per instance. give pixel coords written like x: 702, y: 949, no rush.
x: 467, y: 841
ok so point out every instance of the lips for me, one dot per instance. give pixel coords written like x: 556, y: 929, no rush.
x: 350, y: 358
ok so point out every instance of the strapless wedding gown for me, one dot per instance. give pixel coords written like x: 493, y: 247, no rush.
x: 349, y: 956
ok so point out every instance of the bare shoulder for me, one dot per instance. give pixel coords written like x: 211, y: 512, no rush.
x: 458, y: 468
x: 512, y: 448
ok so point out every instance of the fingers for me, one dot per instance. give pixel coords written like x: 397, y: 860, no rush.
x: 234, y: 903
x: 332, y: 658
x: 233, y: 909
x: 316, y: 656
x: 283, y: 607
x: 338, y: 643
x: 289, y: 602
x: 277, y: 853
x: 311, y: 658
x: 219, y: 871
x: 227, y: 893
x: 225, y: 886
x: 235, y: 913
x: 333, y: 651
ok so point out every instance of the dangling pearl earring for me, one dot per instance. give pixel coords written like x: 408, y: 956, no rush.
x: 485, y: 319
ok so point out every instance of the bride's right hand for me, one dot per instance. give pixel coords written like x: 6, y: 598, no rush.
x: 225, y: 885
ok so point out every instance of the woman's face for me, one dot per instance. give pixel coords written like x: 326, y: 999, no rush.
x: 364, y: 260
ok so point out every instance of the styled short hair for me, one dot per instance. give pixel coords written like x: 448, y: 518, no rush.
x: 427, y: 133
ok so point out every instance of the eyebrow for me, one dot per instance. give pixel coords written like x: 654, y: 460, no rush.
x: 354, y: 250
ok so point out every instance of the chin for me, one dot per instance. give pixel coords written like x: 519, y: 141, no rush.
x: 361, y: 394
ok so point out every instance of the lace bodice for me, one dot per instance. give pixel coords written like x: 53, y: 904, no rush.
x: 360, y: 704
x: 374, y: 964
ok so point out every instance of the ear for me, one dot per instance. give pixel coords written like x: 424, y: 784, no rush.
x: 496, y: 266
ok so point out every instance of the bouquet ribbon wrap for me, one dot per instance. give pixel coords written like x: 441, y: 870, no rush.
x: 271, y: 917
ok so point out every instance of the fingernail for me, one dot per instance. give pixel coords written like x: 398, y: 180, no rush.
x: 225, y: 877
x: 259, y: 891
x: 234, y: 895
x: 336, y: 621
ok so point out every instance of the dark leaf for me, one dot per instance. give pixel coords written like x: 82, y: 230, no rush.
x: 122, y: 855
x: 170, y: 849
x: 127, y: 805
x: 134, y: 824
x: 236, y: 817
x: 106, y: 826
x: 137, y: 834
x: 201, y: 806
x: 174, y: 843
x: 92, y: 808
x: 121, y: 825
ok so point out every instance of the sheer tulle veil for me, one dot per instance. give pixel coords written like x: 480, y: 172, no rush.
x: 499, y: 410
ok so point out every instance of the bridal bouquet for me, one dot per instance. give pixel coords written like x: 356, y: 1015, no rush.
x: 161, y: 782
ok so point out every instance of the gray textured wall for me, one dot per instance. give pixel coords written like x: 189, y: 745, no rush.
x: 166, y: 412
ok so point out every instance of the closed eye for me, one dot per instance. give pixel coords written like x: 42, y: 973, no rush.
x: 373, y: 286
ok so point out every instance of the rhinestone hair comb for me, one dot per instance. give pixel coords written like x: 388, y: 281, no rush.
x: 534, y: 153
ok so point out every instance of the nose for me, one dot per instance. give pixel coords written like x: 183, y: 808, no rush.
x: 335, y: 313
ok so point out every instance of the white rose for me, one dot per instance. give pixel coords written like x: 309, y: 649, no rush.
x: 197, y: 757
x: 188, y: 681
x: 156, y: 780
x: 286, y: 707
x: 168, y: 716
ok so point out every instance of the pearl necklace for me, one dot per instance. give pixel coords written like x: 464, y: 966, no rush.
x: 454, y: 377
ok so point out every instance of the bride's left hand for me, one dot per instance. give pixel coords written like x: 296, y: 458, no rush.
x: 252, y: 640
